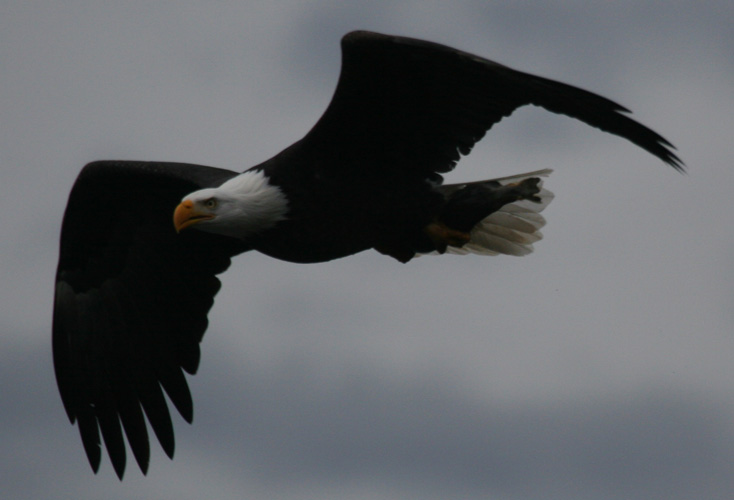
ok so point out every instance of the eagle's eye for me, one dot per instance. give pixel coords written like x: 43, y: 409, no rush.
x: 211, y: 203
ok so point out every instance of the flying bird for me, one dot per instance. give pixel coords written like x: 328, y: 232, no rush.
x: 142, y: 242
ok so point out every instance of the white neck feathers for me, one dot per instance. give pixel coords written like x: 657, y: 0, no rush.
x: 262, y: 204
x: 247, y: 204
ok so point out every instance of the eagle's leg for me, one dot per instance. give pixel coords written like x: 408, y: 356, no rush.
x: 471, y: 204
x: 463, y: 209
x: 443, y: 236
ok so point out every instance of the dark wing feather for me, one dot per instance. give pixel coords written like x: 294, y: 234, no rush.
x: 131, y: 304
x: 417, y: 106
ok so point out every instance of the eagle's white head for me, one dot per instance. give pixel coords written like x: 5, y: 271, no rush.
x: 242, y: 206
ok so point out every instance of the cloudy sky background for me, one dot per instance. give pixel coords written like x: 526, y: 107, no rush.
x: 598, y: 367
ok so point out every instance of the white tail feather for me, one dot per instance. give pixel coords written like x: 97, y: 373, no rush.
x: 511, y: 230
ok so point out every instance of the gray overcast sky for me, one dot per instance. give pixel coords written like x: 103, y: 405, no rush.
x: 598, y: 367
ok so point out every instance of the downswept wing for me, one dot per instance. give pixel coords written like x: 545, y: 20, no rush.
x: 131, y: 303
x: 415, y: 106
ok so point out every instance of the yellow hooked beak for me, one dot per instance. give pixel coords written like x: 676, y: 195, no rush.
x: 187, y: 215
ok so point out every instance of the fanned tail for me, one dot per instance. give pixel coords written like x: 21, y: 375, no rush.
x: 512, y: 229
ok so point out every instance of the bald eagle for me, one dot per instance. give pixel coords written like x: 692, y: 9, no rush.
x: 133, y: 289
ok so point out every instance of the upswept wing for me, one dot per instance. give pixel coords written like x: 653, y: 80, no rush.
x: 417, y: 106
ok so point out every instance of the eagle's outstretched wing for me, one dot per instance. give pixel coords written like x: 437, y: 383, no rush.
x: 131, y: 302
